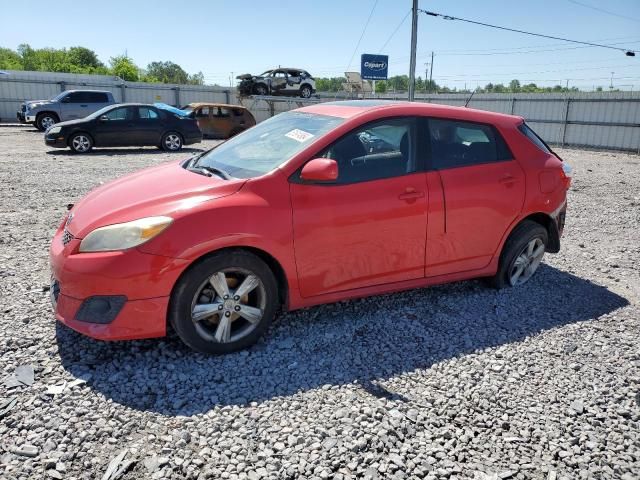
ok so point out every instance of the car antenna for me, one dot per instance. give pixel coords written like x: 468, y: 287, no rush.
x: 469, y: 99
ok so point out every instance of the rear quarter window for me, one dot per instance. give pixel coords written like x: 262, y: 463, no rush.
x: 533, y: 136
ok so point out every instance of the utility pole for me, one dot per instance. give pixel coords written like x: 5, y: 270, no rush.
x: 431, y: 72
x: 414, y: 41
x: 611, y: 85
x: 426, y: 76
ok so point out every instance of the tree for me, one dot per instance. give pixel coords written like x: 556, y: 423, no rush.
x: 123, y: 67
x: 84, y: 58
x: 381, y: 86
x: 167, y: 72
x: 514, y: 85
x: 196, y: 79
x: 10, y: 60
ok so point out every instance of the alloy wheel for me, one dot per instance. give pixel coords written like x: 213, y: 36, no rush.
x: 173, y: 141
x: 527, y: 262
x: 228, y: 305
x: 47, y: 122
x: 81, y: 143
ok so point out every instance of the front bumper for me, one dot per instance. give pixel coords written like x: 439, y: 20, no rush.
x: 141, y: 282
x: 57, y: 140
x: 30, y: 118
x: 21, y: 117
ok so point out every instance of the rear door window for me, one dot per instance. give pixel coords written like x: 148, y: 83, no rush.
x: 146, y: 113
x: 203, y: 112
x: 97, y: 97
x: 457, y: 143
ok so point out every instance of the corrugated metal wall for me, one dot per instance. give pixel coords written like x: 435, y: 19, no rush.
x: 16, y: 87
x: 600, y: 119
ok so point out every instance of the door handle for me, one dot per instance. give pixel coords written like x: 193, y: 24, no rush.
x: 507, y: 178
x: 84, y: 105
x: 410, y: 193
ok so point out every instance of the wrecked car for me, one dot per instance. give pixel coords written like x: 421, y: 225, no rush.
x: 280, y: 81
x: 219, y: 120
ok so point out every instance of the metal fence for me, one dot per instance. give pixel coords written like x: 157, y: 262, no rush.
x: 17, y: 87
x: 608, y: 120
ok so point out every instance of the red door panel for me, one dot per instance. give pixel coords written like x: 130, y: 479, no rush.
x: 480, y: 202
x: 358, y: 235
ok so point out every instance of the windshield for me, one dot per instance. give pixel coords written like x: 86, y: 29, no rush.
x: 269, y: 144
x: 265, y: 74
x: 58, y: 97
x: 102, y: 111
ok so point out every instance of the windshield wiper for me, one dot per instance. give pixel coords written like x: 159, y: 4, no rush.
x: 209, y: 171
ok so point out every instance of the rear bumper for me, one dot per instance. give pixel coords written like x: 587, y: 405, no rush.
x: 556, y: 228
x: 192, y: 140
x: 30, y: 118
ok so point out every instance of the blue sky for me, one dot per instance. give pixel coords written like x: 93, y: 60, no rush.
x: 224, y: 36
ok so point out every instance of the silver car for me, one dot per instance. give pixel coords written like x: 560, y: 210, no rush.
x: 68, y: 105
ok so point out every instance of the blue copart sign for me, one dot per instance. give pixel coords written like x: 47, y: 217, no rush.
x: 374, y: 67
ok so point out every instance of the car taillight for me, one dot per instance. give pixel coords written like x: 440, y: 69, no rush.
x: 566, y: 173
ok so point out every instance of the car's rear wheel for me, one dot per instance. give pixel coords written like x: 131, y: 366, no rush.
x: 171, y: 142
x: 46, y: 120
x: 261, y: 89
x: 305, y: 91
x: 521, y: 255
x: 224, y: 303
x: 80, y: 143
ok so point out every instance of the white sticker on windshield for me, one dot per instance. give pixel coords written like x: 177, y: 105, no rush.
x: 299, y: 135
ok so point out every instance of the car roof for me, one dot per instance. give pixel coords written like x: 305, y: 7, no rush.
x: 352, y: 108
x: 213, y: 104
x: 86, y: 90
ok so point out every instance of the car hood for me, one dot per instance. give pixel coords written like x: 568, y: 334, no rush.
x: 39, y: 102
x: 166, y: 189
x: 68, y: 123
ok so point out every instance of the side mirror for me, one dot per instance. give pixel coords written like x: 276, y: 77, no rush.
x: 320, y: 170
x: 104, y: 118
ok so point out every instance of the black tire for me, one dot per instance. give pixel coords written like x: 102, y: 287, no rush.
x: 261, y: 89
x: 521, y: 236
x: 80, y: 142
x: 305, y: 91
x: 191, y: 288
x: 171, y: 142
x: 44, y: 119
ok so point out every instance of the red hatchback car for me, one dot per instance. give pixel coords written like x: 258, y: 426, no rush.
x: 320, y: 204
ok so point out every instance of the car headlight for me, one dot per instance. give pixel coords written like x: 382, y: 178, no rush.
x: 124, y: 235
x: 54, y: 130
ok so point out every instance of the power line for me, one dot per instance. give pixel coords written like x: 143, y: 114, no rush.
x: 629, y: 53
x: 362, y: 34
x: 608, y: 12
x: 404, y: 19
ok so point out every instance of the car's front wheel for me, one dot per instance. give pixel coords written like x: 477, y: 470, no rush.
x: 171, y: 142
x: 46, y: 120
x: 521, y: 255
x: 224, y: 303
x: 80, y: 143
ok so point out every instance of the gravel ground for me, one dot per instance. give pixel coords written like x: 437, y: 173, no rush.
x: 456, y: 381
